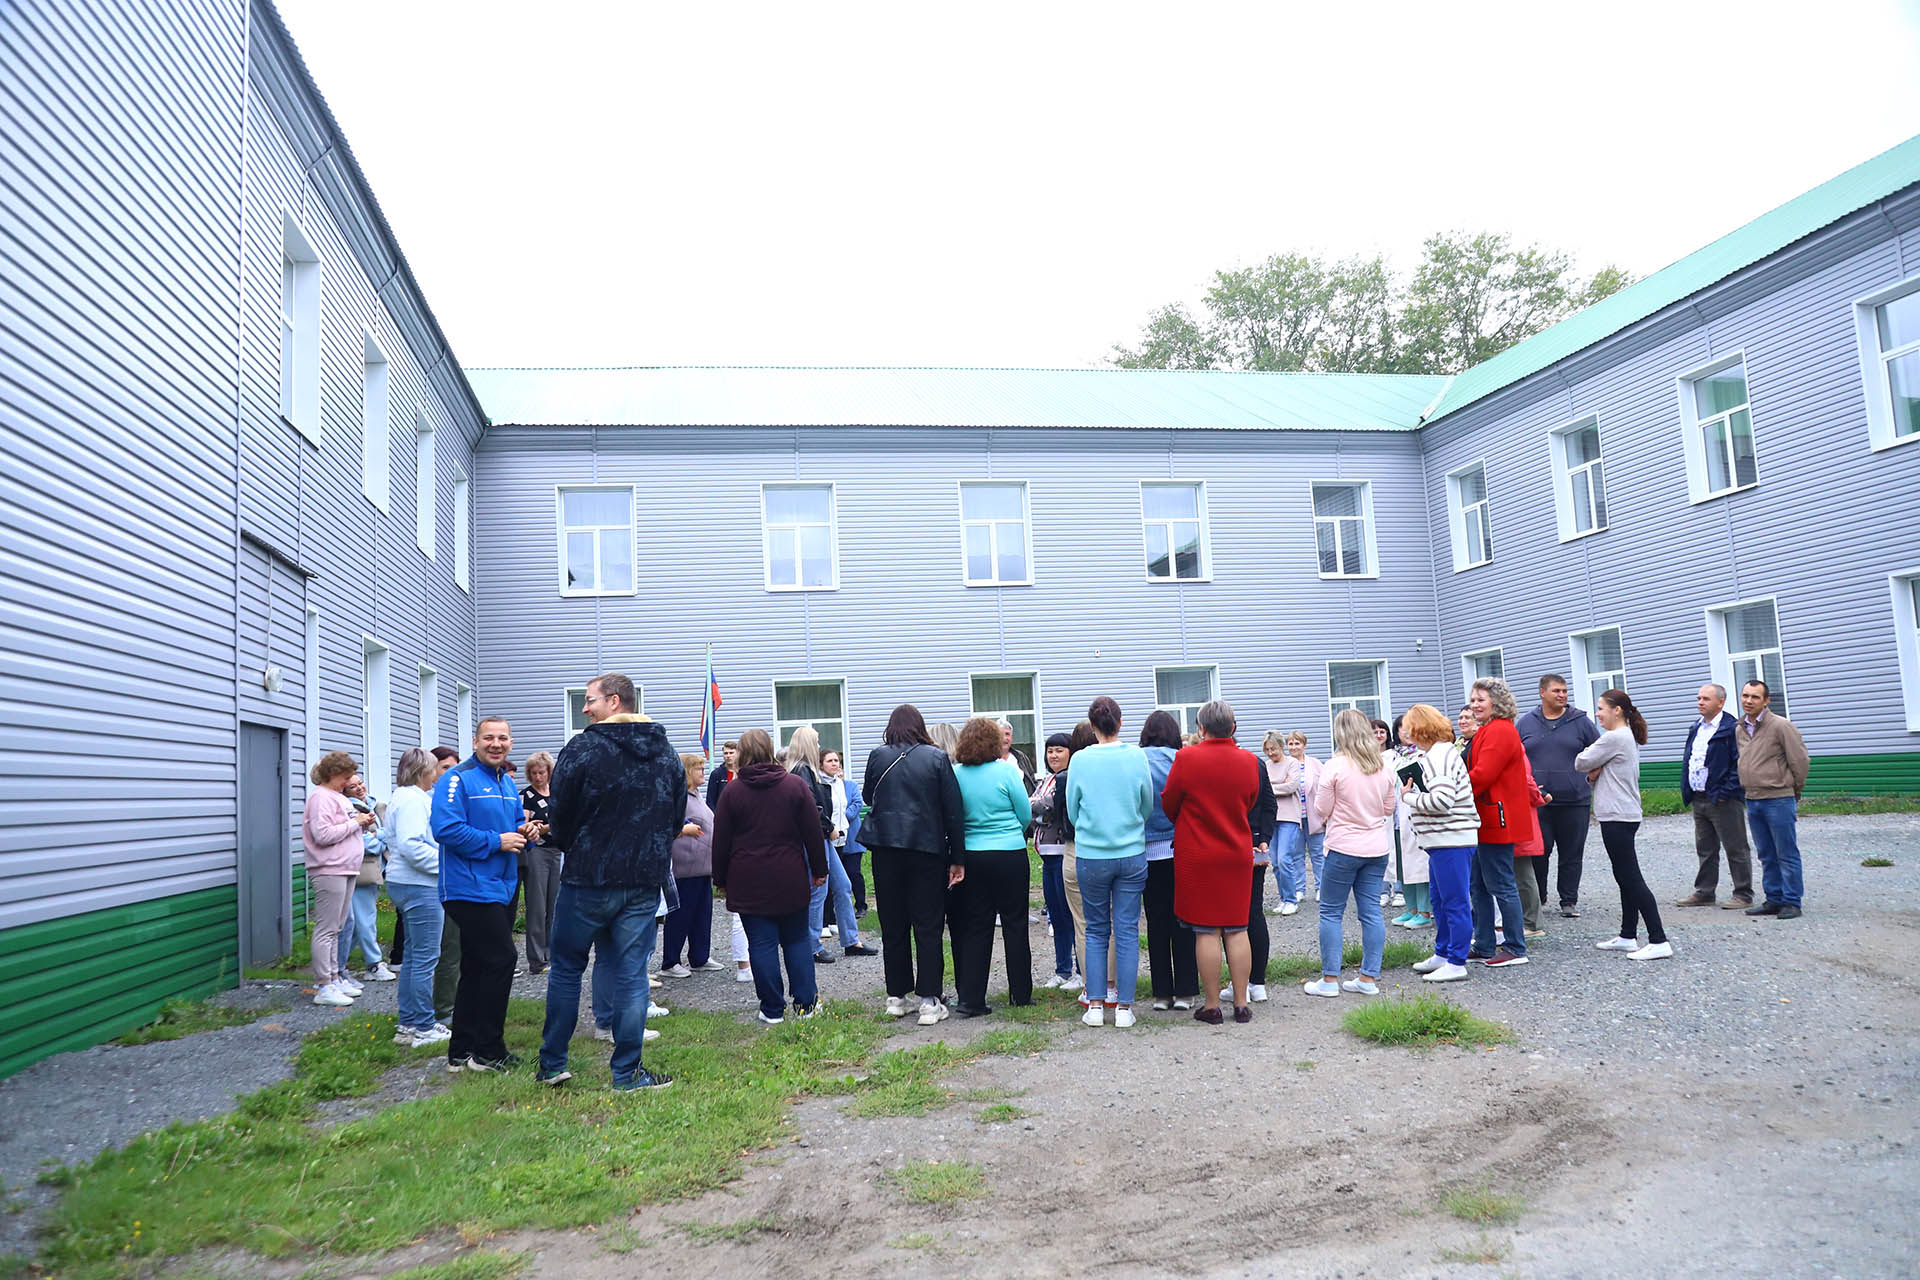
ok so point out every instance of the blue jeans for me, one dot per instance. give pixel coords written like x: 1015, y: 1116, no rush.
x: 1294, y: 849
x: 769, y: 938
x: 361, y: 928
x: 419, y: 906
x: 842, y: 889
x: 1360, y: 877
x: 1448, y: 873
x: 1493, y: 882
x: 1776, y: 839
x: 579, y: 917
x: 1110, y: 893
x: 1053, y: 889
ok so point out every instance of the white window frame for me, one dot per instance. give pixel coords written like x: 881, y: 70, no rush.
x: 462, y: 714
x: 1199, y: 488
x: 376, y: 450
x: 376, y: 713
x: 1187, y: 713
x: 1580, y: 676
x: 1033, y: 686
x: 1721, y: 656
x: 1904, y: 588
x: 561, y: 529
x: 429, y: 707
x: 426, y: 482
x: 311, y: 693
x: 1467, y: 672
x: 1326, y: 682
x: 567, y: 732
x: 781, y: 728
x: 462, y: 531
x: 1566, y: 504
x: 1874, y: 362
x: 1692, y: 430
x: 766, y: 538
x: 1369, y: 546
x: 993, y: 534
x: 1458, y: 514
x: 300, y: 288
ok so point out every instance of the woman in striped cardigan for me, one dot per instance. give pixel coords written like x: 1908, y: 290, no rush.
x: 1448, y: 826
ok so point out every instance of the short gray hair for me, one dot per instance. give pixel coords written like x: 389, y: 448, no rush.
x: 1216, y: 719
x: 1504, y: 707
x: 413, y: 763
x: 1719, y: 690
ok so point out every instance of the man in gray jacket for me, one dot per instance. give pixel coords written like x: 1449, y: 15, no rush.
x: 1553, y: 734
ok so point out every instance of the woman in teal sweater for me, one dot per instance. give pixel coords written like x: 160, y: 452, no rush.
x: 1109, y: 794
x: 994, y: 798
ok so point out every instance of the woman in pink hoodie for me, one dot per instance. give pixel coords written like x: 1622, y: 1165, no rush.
x: 1355, y: 798
x: 330, y: 830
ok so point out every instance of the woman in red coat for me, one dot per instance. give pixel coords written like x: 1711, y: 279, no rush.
x: 1497, y: 767
x: 1209, y: 790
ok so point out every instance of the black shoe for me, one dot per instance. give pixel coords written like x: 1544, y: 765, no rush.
x: 643, y: 1079
x: 821, y: 957
x: 1769, y: 909
x: 970, y: 1011
x: 1789, y: 913
x: 857, y: 950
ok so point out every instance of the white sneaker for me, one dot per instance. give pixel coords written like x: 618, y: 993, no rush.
x: 897, y: 1007
x: 711, y: 966
x: 331, y: 994
x: 1161, y: 1006
x: 1256, y: 993
x: 1288, y: 908
x: 1123, y: 1017
x: 603, y: 1033
x: 1056, y: 982
x: 404, y: 1037
x: 1398, y: 900
x: 677, y: 971
x: 1361, y: 987
x: 436, y: 1034
x: 931, y: 1011
x: 1075, y: 983
x: 648, y: 1035
x: 1321, y: 987
x: 831, y: 931
x: 1277, y: 911
x: 1430, y: 964
x: 380, y: 973
x: 1617, y: 944
x: 1181, y: 1004
x: 349, y: 986
x: 743, y: 975
x: 655, y: 1011
x: 1653, y: 951
x: 1448, y: 973
x: 774, y: 1021
x: 1095, y: 1016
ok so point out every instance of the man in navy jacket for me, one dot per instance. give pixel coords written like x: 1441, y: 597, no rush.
x: 481, y: 827
x: 1710, y: 786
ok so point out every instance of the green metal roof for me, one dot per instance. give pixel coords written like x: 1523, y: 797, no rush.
x: 1886, y: 173
x: 1135, y: 398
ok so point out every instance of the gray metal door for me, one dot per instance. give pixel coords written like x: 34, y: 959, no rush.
x: 265, y: 849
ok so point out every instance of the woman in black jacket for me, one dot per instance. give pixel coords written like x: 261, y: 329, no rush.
x: 917, y: 832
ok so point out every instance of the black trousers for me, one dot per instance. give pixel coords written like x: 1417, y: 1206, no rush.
x: 486, y: 979
x: 910, y: 889
x: 1636, y: 899
x: 1257, y: 938
x: 1562, y: 827
x: 851, y: 862
x: 996, y: 885
x: 1170, y: 958
x: 397, y: 950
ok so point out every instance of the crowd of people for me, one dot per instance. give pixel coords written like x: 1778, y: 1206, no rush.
x: 621, y: 843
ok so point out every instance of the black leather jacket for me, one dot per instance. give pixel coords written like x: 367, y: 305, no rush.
x: 916, y: 803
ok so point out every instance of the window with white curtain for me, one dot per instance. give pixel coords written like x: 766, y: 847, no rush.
x: 1182, y: 691
x: 1716, y: 414
x: 1014, y: 698
x: 1173, y: 519
x: 596, y: 540
x: 993, y: 533
x: 1343, y: 529
x: 1470, y: 520
x: 820, y: 703
x: 1361, y: 686
x: 1599, y: 664
x: 1579, y: 489
x: 801, y: 545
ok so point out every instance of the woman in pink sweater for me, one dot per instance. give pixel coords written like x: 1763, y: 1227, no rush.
x: 330, y: 829
x: 1354, y: 801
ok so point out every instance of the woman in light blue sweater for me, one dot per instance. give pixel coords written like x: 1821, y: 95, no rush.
x: 993, y: 797
x: 413, y: 882
x: 1109, y: 795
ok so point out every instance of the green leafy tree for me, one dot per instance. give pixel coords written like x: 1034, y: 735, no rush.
x: 1173, y: 339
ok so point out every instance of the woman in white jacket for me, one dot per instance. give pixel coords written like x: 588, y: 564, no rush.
x: 1447, y: 826
x: 413, y: 883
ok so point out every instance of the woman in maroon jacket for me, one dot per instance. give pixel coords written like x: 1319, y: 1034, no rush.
x: 1497, y: 767
x: 768, y: 855
x: 1209, y: 790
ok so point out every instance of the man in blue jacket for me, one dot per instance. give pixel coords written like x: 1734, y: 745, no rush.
x: 1710, y: 786
x: 481, y: 827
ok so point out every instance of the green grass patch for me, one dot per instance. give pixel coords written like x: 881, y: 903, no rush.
x: 912, y: 1240
x: 1660, y: 802
x: 179, y: 1018
x: 1876, y: 862
x: 1305, y: 1064
x: 1399, y: 953
x: 1482, y: 1252
x: 940, y: 1181
x: 909, y: 1082
x: 1050, y: 1004
x: 1423, y: 1020
x: 1835, y: 805
x: 730, y: 1232
x: 1001, y: 1113
x: 1483, y: 1205
x: 489, y: 1264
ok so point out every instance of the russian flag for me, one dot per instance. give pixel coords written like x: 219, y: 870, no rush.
x: 708, y: 708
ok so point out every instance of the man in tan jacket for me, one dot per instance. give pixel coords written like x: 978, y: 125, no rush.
x: 1773, y: 772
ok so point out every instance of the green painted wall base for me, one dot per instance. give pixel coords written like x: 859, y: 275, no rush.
x: 1892, y: 773
x: 76, y: 981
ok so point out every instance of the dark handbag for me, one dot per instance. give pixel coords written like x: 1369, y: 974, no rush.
x: 1412, y: 772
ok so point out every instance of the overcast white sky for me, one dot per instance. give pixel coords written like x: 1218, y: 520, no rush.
x: 1019, y: 184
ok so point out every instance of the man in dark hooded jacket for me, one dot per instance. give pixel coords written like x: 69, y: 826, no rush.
x: 619, y: 795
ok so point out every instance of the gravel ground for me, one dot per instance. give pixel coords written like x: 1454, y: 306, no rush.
x: 1653, y: 1115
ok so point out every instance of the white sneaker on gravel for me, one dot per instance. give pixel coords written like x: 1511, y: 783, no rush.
x: 436, y: 1034
x: 1430, y: 964
x: 1256, y: 993
x: 1160, y: 1006
x: 898, y: 1007
x: 1361, y: 987
x: 676, y: 971
x: 1288, y: 908
x: 932, y: 1011
x: 1321, y: 987
x: 743, y: 975
x: 380, y: 973
x: 1075, y: 983
x: 1095, y: 1016
x: 711, y: 966
x: 1397, y: 900
x: 1055, y: 982
x: 1653, y: 951
x: 1617, y: 944
x: 604, y: 1034
x: 349, y: 986
x: 1123, y: 1017
x: 1181, y: 1005
x: 332, y: 995
x: 1448, y: 973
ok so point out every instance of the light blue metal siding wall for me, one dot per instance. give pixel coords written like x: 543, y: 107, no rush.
x: 119, y: 199
x: 1827, y: 523
x: 902, y: 627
